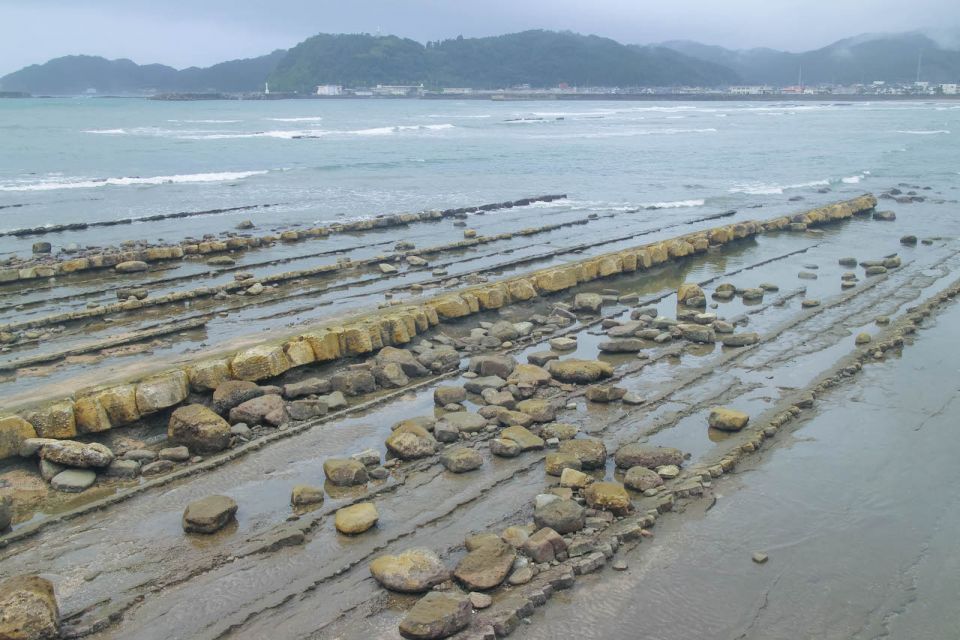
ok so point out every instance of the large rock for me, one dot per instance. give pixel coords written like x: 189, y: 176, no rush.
x: 404, y: 359
x: 608, y: 496
x: 641, y: 455
x: 268, y: 409
x: 504, y: 448
x: 413, y: 571
x: 55, y: 420
x: 345, y: 472
x: 556, y: 462
x: 199, y: 429
x: 526, y: 440
x: 591, y: 452
x: 436, y: 615
x: 410, y: 442
x: 492, y: 365
x: 641, y: 479
x: 13, y: 431
x: 234, y: 392
x: 579, y: 371
x: 697, y: 333
x: 356, y: 518
x: 162, y: 391
x: 726, y: 419
x: 740, y: 339
x: 461, y: 459
x: 486, y: 566
x: 563, y: 516
x: 208, y: 515
x: 77, y: 454
x: 28, y: 609
x: 260, y: 362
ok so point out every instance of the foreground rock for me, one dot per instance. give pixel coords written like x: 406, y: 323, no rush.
x: 436, y: 615
x: 199, y: 429
x: 486, y: 566
x: 70, y: 453
x: 303, y: 495
x: 642, y: 479
x: 209, y: 515
x: 726, y: 419
x: 413, y: 571
x: 28, y: 609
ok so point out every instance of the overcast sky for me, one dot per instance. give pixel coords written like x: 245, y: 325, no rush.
x: 182, y: 33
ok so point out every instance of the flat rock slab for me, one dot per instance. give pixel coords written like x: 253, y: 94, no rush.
x: 73, y: 480
x: 208, y: 515
x: 486, y: 566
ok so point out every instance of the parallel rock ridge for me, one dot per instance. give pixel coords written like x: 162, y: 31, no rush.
x: 138, y: 259
x: 373, y: 331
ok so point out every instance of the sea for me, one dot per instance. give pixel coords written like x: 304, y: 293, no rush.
x: 318, y: 161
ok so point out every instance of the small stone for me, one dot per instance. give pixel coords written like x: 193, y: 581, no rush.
x: 413, y: 571
x: 619, y: 565
x: 303, y: 495
x: 208, y: 515
x: 863, y: 338
x: 726, y: 419
x: 175, y: 454
x: 759, y: 557
x: 356, y: 518
x: 480, y: 600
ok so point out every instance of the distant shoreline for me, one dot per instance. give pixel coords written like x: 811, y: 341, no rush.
x: 531, y: 97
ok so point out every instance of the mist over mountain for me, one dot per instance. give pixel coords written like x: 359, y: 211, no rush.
x: 537, y: 58
x: 862, y: 59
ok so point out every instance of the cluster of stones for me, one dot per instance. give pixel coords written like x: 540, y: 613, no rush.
x: 900, y: 196
x: 103, y: 409
x: 576, y: 527
x: 131, y: 258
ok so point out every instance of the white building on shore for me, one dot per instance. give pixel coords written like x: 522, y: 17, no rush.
x: 329, y: 90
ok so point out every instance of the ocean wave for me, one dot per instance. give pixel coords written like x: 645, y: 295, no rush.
x: 628, y: 133
x: 763, y: 189
x: 453, y: 115
x: 855, y: 179
x: 293, y: 134
x: 301, y: 119
x: 923, y: 132
x: 207, y: 121
x: 85, y: 183
x: 677, y: 204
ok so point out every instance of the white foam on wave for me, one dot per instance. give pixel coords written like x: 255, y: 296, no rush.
x: 85, y: 183
x: 290, y: 134
x: 627, y: 133
x: 301, y: 119
x: 454, y: 115
x: 207, y: 121
x: 855, y: 179
x: 677, y: 204
x: 924, y: 132
x: 764, y: 189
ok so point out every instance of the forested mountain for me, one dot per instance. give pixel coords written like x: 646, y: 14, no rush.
x: 537, y: 58
x: 888, y: 57
x: 74, y: 75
